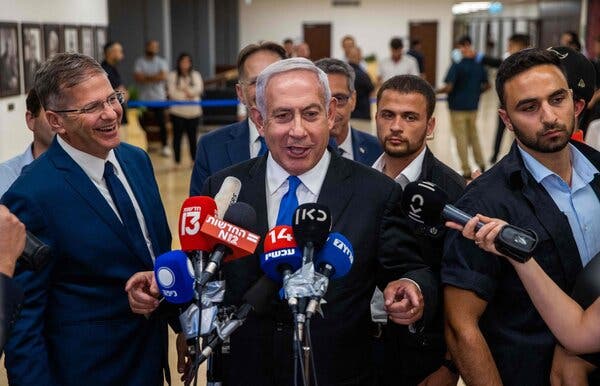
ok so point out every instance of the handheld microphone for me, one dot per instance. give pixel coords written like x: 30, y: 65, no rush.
x: 231, y: 241
x: 257, y: 299
x: 333, y: 261
x: 194, y: 211
x: 282, y: 255
x: 35, y: 255
x: 175, y: 277
x: 311, y: 225
x: 228, y: 194
x: 426, y: 203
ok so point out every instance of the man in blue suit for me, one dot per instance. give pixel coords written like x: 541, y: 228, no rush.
x: 94, y: 201
x: 240, y: 141
x: 351, y: 143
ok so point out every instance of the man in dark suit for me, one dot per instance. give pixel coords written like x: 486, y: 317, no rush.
x: 405, y: 105
x: 294, y: 112
x: 12, y: 241
x: 351, y: 143
x: 240, y: 141
x: 94, y: 201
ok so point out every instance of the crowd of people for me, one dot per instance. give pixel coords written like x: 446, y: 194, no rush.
x: 423, y: 304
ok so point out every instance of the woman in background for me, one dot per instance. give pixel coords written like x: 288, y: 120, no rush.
x: 185, y: 84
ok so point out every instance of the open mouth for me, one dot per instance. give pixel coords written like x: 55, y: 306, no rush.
x: 297, y: 151
x: 106, y: 129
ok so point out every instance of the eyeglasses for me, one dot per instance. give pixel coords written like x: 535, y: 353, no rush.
x: 113, y: 100
x: 342, y: 99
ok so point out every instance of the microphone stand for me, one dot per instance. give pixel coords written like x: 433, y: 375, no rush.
x: 214, y: 366
x: 307, y: 258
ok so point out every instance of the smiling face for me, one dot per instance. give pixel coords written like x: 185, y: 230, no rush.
x: 296, y: 126
x: 540, y: 109
x: 402, y: 123
x: 92, y: 133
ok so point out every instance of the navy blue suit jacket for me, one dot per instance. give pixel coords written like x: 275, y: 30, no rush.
x: 76, y: 326
x: 365, y: 146
x: 218, y: 150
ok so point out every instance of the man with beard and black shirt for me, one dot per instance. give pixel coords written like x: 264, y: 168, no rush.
x: 544, y: 184
x: 113, y: 55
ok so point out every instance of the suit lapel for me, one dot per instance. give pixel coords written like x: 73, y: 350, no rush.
x: 81, y: 183
x: 256, y: 194
x: 358, y: 147
x: 333, y: 194
x: 238, y: 147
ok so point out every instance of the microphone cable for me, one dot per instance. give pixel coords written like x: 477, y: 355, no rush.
x: 312, y: 353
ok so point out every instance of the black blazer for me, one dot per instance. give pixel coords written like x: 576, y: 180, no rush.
x: 365, y: 208
x: 11, y: 297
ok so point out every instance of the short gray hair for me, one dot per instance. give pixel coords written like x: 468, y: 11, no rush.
x: 336, y: 66
x: 287, y: 65
x: 63, y: 71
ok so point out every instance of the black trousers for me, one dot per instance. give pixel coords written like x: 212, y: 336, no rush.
x: 190, y: 127
x: 159, y: 114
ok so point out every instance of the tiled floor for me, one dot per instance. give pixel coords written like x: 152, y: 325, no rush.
x: 174, y: 183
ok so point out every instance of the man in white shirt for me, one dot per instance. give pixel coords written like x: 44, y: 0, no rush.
x: 405, y: 105
x: 95, y: 202
x: 397, y: 63
x: 35, y: 118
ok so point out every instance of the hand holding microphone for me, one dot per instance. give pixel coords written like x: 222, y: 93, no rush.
x: 12, y: 241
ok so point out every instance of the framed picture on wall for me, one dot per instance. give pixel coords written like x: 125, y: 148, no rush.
x: 33, y: 52
x: 86, y: 38
x: 101, y: 35
x: 53, y: 40
x: 10, y: 78
x: 71, y: 34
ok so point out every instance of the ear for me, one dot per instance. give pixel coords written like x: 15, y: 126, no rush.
x: 56, y: 122
x: 258, y: 120
x: 240, y: 93
x: 430, y: 127
x: 30, y: 120
x: 504, y: 116
x: 579, y: 106
x: 331, y: 112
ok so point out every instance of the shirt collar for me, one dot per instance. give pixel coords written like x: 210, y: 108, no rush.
x: 91, y: 165
x: 412, y: 172
x: 253, y: 131
x: 347, y: 144
x: 312, y: 179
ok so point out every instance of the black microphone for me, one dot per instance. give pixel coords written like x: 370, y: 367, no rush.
x: 311, y: 226
x: 426, y: 203
x: 35, y: 255
x: 257, y: 299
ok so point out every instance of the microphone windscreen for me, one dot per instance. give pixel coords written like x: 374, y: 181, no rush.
x: 175, y: 277
x: 281, y: 250
x: 227, y: 195
x: 311, y: 223
x: 338, y: 253
x: 193, y: 213
x: 259, y: 296
x: 242, y: 215
x: 423, y: 202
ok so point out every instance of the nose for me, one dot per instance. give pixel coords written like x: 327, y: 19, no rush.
x: 109, y: 111
x: 297, y: 129
x: 548, y: 114
x: 396, y: 125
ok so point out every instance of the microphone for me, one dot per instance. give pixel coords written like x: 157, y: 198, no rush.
x: 35, y: 255
x: 311, y: 225
x: 282, y: 255
x: 175, y: 277
x: 227, y: 195
x: 257, y: 298
x: 333, y: 261
x: 231, y: 241
x: 426, y: 203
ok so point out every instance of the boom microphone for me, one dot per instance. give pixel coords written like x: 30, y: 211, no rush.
x: 333, y: 261
x: 35, y: 255
x: 426, y: 203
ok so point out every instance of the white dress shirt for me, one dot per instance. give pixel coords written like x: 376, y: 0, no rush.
x: 254, y: 139
x: 93, y: 167
x: 407, y: 65
x: 411, y: 172
x: 347, y: 145
x: 277, y: 185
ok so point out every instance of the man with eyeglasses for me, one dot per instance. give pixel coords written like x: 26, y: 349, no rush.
x: 95, y: 202
x: 351, y: 143
x: 239, y: 141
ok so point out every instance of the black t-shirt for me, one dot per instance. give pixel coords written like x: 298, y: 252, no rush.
x: 115, y: 81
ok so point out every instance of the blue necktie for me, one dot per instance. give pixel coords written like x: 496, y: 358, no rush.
x: 126, y: 210
x: 289, y: 202
x: 263, y: 146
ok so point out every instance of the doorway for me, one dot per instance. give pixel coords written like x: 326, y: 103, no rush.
x: 426, y: 32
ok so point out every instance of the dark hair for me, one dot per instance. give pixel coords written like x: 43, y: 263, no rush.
x: 520, y: 39
x: 396, y: 43
x: 108, y: 46
x: 33, y: 103
x: 408, y: 84
x: 573, y: 40
x: 60, y: 72
x: 287, y: 41
x: 521, y: 62
x: 178, y: 67
x: 414, y: 43
x: 464, y: 40
x: 252, y: 48
x: 336, y: 66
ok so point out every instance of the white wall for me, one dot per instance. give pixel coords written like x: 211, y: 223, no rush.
x: 14, y: 135
x: 373, y: 23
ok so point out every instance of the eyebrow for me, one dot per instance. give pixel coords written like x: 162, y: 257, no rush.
x: 530, y: 100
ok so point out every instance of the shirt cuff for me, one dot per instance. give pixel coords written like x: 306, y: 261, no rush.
x: 412, y: 281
